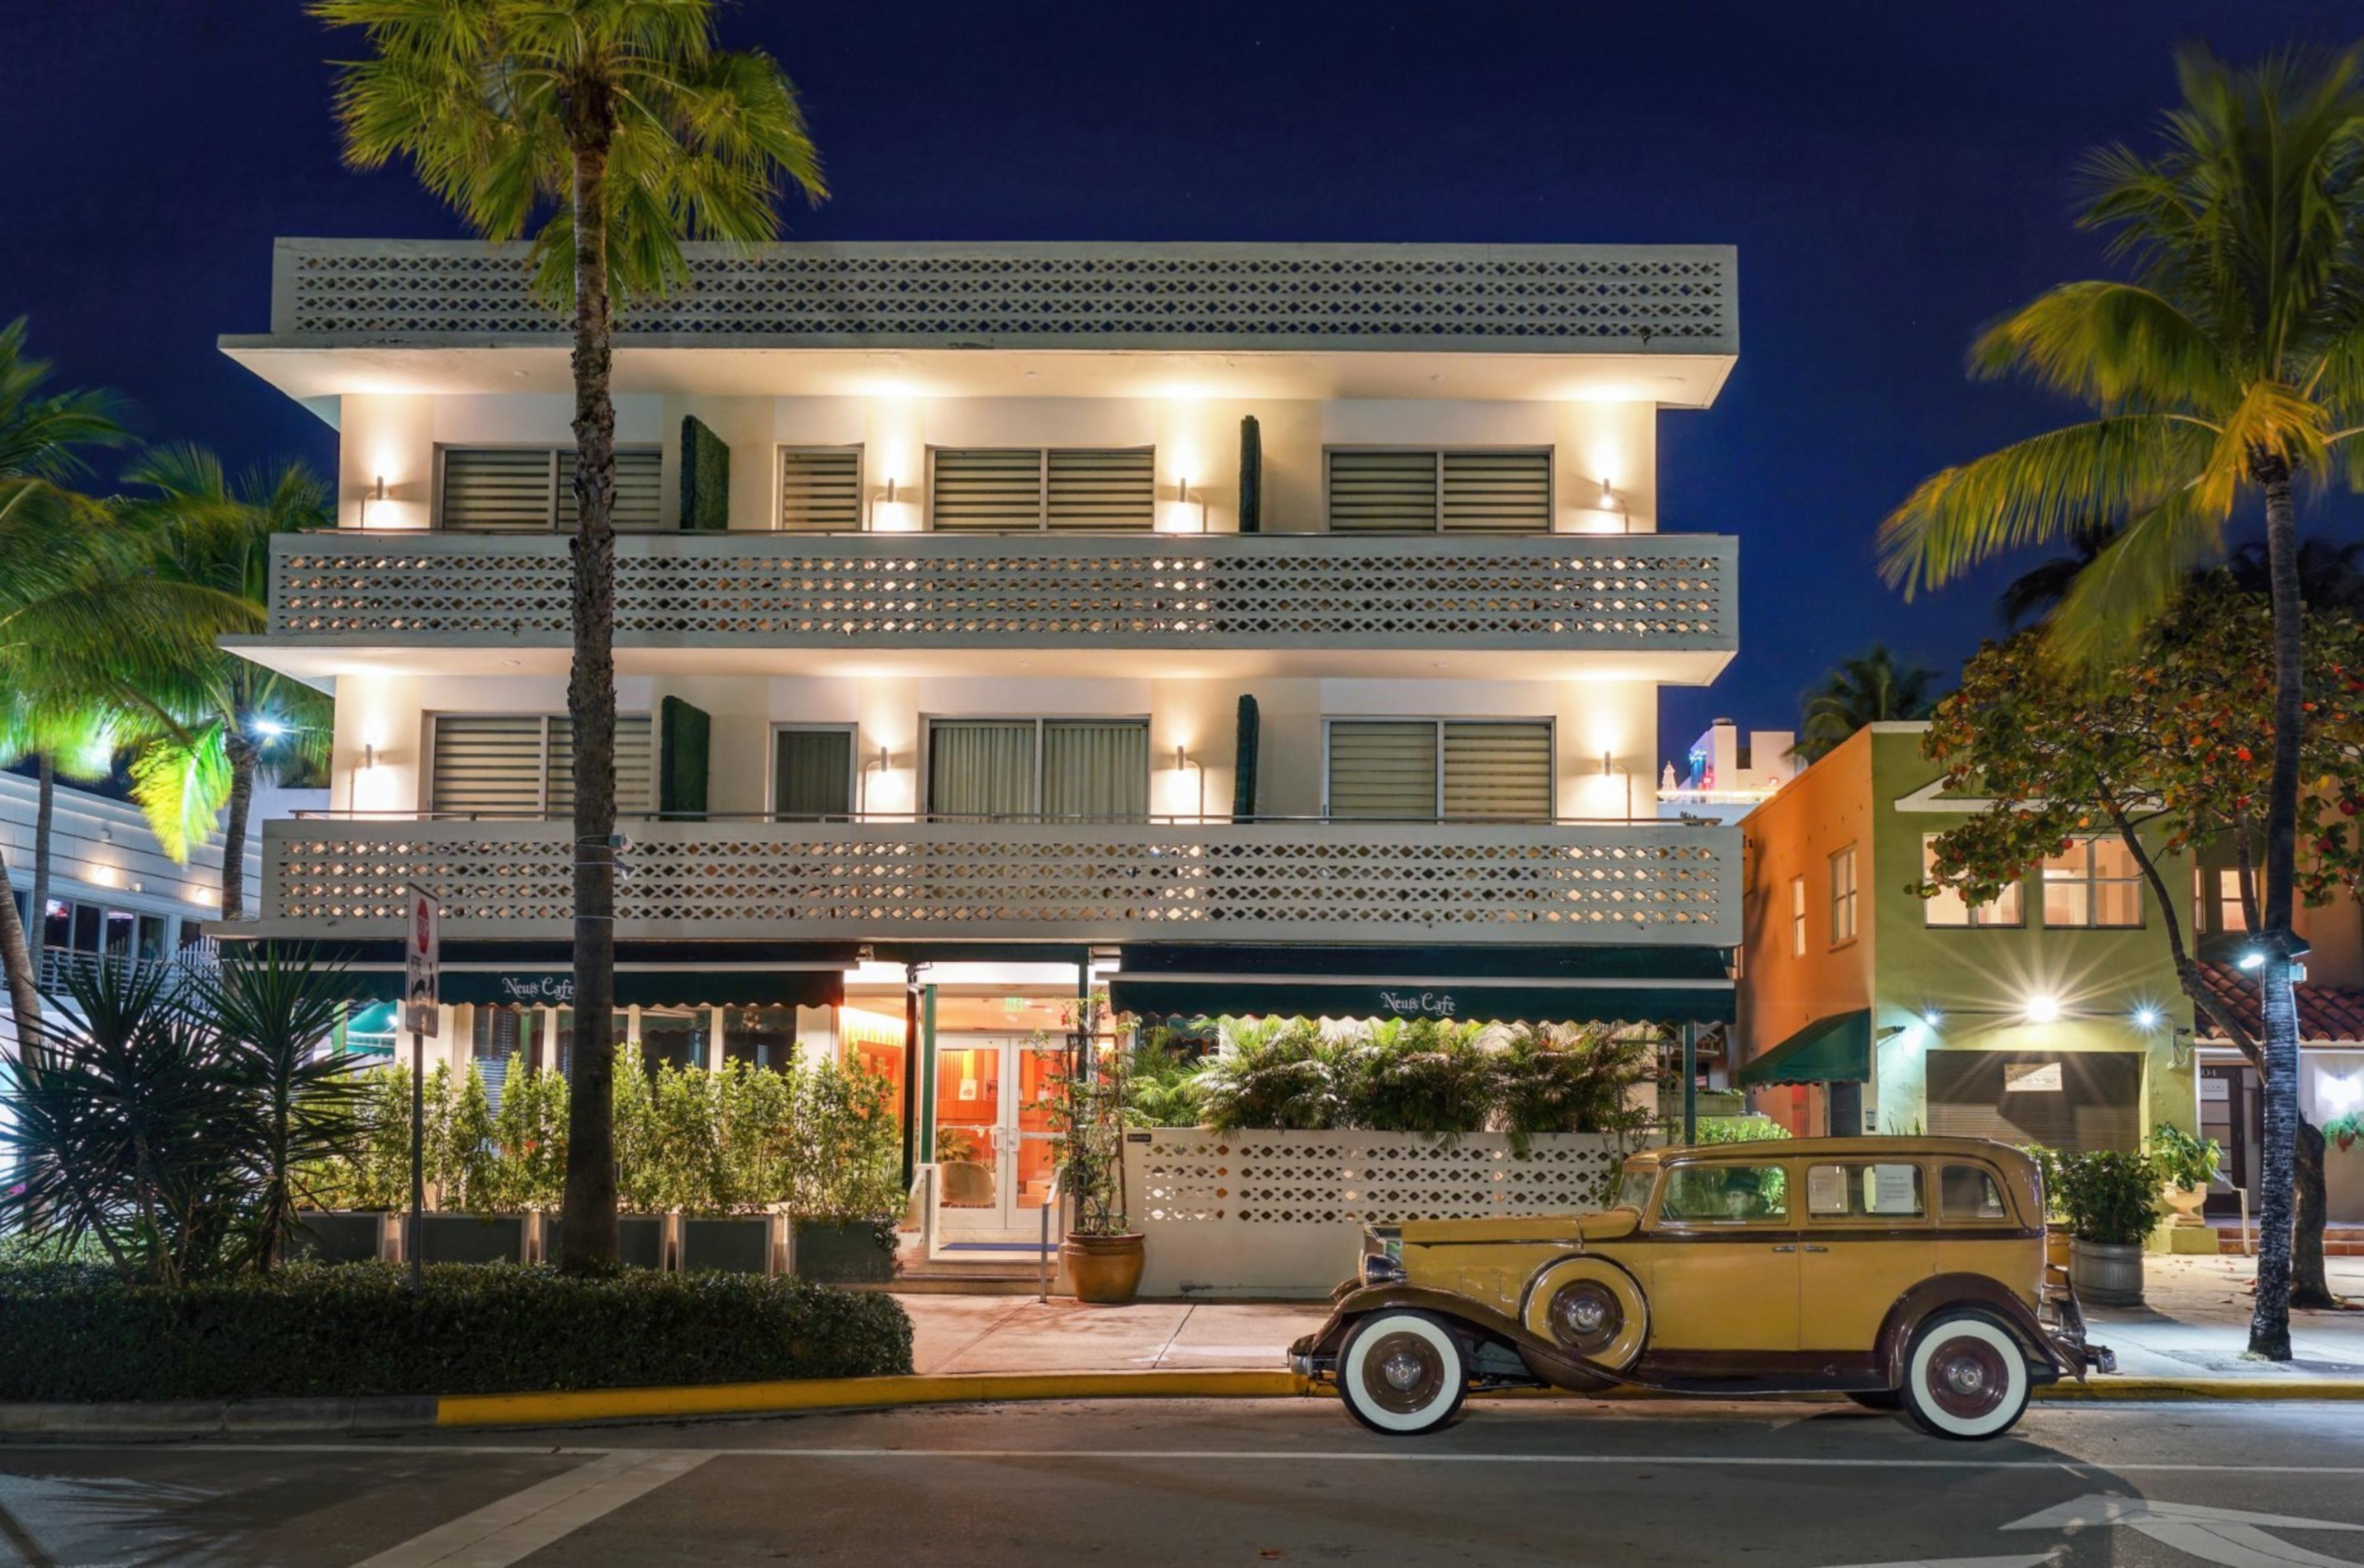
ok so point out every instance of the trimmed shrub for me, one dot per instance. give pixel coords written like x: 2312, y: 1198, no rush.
x: 79, y: 1333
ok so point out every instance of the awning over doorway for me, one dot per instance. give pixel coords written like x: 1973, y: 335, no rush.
x: 648, y: 974
x: 1490, y: 984
x: 1837, y: 1050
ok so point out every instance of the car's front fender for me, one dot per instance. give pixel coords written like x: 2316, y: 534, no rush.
x: 1315, y: 1354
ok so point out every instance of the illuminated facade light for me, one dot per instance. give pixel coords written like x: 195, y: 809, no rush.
x: 2043, y: 1009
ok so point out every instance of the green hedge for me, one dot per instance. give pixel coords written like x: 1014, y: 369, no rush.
x: 76, y: 1332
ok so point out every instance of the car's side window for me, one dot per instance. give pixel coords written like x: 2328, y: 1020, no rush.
x: 1887, y: 1190
x: 1970, y: 1192
x: 1726, y: 1195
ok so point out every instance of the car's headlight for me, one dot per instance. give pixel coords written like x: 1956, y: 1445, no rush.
x: 1378, y: 1268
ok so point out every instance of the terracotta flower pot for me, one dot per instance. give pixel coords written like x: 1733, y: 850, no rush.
x: 1106, y: 1269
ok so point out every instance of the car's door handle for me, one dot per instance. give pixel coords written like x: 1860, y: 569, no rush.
x: 1812, y: 1248
x: 1786, y: 1247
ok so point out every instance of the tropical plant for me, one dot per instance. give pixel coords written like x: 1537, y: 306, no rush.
x: 1084, y: 1102
x: 529, y: 1130
x: 2108, y: 1196
x: 2229, y: 365
x: 846, y: 1162
x: 1426, y: 1076
x: 1162, y: 1086
x: 2183, y: 1160
x: 2037, y: 592
x: 1738, y: 1129
x: 1279, y: 1073
x: 219, y: 723
x: 2344, y: 1130
x: 1871, y: 688
x: 1573, y: 1078
x: 610, y: 130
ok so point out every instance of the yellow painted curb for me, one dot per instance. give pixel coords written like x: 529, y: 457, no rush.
x: 2162, y: 1388
x: 853, y: 1393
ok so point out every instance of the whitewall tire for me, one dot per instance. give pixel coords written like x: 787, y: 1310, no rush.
x: 1403, y: 1374
x: 1964, y: 1377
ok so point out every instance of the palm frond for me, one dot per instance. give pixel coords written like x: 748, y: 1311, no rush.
x: 2117, y: 346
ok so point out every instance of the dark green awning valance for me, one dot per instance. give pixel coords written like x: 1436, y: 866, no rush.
x: 1837, y: 1050
x: 536, y: 986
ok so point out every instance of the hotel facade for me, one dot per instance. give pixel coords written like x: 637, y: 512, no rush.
x: 1233, y: 629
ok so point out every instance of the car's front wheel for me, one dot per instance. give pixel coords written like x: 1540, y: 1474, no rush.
x: 1964, y: 1377
x: 1403, y: 1372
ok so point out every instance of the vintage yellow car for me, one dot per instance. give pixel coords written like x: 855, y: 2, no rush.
x: 1905, y: 1273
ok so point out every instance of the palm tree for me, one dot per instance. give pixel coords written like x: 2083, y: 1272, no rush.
x: 2230, y: 365
x: 68, y: 736
x: 219, y: 722
x: 2035, y: 592
x: 610, y: 130
x: 1871, y: 688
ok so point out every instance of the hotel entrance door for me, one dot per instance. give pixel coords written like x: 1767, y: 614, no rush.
x: 993, y: 1144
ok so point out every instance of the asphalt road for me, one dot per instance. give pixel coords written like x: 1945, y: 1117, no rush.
x: 1244, y: 1483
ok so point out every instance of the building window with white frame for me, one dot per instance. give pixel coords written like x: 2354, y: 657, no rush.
x: 1027, y: 769
x: 1423, y: 489
x: 1080, y: 490
x: 2232, y: 913
x: 1950, y: 908
x: 812, y: 772
x: 1842, y: 897
x: 1797, y: 917
x: 2094, y: 884
x: 530, y: 490
x: 1431, y: 770
x: 522, y: 764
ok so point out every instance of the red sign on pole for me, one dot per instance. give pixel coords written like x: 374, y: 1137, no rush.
x: 420, y: 958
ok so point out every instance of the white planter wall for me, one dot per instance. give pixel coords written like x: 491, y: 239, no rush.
x: 1281, y: 1214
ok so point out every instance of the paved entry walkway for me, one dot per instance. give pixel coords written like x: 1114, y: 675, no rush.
x: 2194, y: 1324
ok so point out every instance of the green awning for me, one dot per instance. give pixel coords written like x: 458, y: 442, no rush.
x: 1837, y: 1050
x: 685, y: 985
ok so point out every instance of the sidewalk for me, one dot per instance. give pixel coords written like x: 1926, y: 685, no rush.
x: 2194, y: 1324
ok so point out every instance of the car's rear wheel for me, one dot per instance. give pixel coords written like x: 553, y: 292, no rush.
x: 1403, y: 1372
x: 1964, y: 1377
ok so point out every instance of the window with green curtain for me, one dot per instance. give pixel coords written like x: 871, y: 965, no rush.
x: 1096, y: 768
x: 812, y: 774
x: 981, y: 767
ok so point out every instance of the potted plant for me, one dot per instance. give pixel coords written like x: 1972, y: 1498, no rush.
x: 845, y: 1193
x: 2186, y: 1167
x: 2111, y: 1202
x: 1102, y: 1254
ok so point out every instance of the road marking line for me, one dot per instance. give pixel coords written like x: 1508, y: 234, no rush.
x: 521, y: 1524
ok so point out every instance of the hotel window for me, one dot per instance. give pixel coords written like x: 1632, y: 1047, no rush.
x: 526, y: 489
x: 522, y: 764
x: 1083, y: 490
x: 498, y: 1033
x: 760, y: 1036
x: 1399, y: 490
x: 1428, y: 770
x: 2096, y: 884
x: 1950, y: 908
x: 1095, y: 769
x: 1842, y: 897
x: 820, y: 490
x: 2232, y: 919
x: 812, y: 772
x: 1797, y: 917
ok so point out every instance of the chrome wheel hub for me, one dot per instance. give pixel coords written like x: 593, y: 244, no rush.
x: 1402, y: 1370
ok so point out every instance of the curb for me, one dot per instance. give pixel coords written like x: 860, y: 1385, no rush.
x: 254, y: 1417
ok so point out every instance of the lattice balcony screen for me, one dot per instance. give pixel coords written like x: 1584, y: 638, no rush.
x: 532, y: 489
x: 1407, y: 491
x: 1559, y: 593
x: 820, y: 490
x: 1638, y: 883
x: 1519, y: 298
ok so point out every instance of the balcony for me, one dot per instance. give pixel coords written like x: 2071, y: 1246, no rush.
x: 1642, y: 883
x: 1642, y: 606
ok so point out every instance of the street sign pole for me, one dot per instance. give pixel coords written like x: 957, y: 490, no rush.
x: 421, y: 958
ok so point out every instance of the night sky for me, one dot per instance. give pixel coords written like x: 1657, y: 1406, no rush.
x: 1893, y: 176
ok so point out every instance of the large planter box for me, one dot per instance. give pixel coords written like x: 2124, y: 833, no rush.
x: 1281, y: 1214
x: 339, y: 1237
x: 465, y: 1238
x: 836, y: 1254
x: 2106, y: 1273
x: 733, y: 1244
x: 640, y: 1239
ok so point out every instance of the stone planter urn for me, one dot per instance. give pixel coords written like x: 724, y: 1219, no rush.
x: 1106, y: 1270
x: 2106, y: 1273
x: 2184, y: 1203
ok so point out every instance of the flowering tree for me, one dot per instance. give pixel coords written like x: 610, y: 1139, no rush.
x: 2168, y: 747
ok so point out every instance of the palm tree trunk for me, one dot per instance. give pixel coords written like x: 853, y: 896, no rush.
x: 45, y: 816
x: 245, y: 757
x: 2278, y: 1006
x: 24, y: 990
x: 589, y: 1213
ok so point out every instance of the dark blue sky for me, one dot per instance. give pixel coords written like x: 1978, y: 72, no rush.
x: 1892, y: 174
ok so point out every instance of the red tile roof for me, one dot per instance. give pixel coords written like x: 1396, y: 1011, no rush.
x: 2326, y: 1013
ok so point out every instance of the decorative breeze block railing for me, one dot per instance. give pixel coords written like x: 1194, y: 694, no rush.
x: 1281, y: 1213
x: 1554, y: 593
x: 1521, y: 298
x: 1628, y: 882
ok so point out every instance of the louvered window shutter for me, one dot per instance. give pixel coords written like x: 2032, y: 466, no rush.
x: 497, y: 489
x: 633, y: 754
x: 1498, y: 773
x: 639, y: 481
x: 1110, y: 490
x: 1382, y: 492
x: 985, y: 489
x: 1497, y: 492
x: 820, y: 490
x: 1383, y: 771
x: 488, y: 764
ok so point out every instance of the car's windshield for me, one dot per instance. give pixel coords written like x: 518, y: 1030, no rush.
x: 1634, y: 1187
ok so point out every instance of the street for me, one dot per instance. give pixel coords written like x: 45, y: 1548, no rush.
x: 1516, y: 1482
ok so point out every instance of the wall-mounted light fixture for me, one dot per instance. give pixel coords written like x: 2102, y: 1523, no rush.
x: 376, y: 492
x: 1931, y: 1019
x: 894, y: 505
x: 2147, y: 1019
x: 883, y: 765
x: 1611, y: 508
x: 2043, y: 1009
x: 1182, y: 763
x: 1182, y: 495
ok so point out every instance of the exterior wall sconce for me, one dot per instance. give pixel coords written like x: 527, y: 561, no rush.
x: 376, y: 492
x: 1182, y: 489
x: 888, y: 499
x: 881, y: 764
x: 1182, y: 763
x: 1619, y: 520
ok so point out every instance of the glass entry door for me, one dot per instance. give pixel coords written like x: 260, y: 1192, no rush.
x: 994, y: 1157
